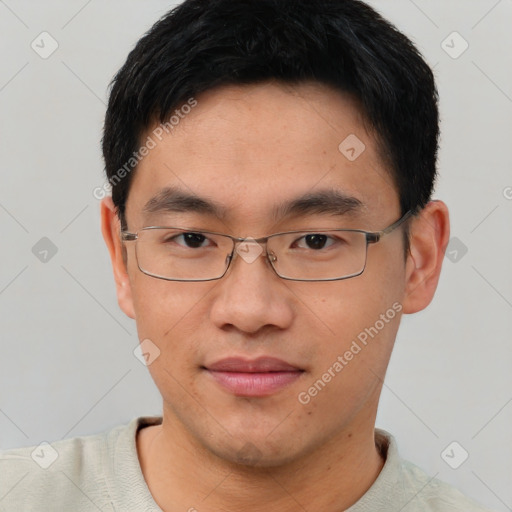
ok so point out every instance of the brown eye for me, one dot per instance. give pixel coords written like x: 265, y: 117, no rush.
x: 314, y: 241
x: 194, y: 239
x: 188, y: 240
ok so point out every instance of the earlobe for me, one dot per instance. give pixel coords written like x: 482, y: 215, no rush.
x: 111, y: 230
x: 429, y: 236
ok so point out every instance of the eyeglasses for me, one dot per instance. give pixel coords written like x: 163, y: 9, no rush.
x: 181, y: 254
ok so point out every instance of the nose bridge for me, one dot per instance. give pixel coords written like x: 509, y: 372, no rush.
x: 250, y: 249
x: 249, y: 296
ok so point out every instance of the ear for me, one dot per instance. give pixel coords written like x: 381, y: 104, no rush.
x: 429, y: 236
x: 111, y: 229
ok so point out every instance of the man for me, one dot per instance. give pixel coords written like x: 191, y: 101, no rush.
x: 272, y: 165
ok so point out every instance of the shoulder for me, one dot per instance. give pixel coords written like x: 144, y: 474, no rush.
x: 67, y: 474
x: 403, y: 486
x: 434, y: 494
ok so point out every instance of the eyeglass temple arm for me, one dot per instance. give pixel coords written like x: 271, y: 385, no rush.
x: 376, y: 236
x: 127, y: 236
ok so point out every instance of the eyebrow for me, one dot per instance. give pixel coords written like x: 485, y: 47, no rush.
x: 325, y: 201
x: 172, y: 199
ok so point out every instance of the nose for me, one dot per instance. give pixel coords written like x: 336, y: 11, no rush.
x: 251, y: 296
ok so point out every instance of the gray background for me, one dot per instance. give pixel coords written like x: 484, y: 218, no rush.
x: 67, y: 366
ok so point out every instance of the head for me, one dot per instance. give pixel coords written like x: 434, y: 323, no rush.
x: 288, y: 100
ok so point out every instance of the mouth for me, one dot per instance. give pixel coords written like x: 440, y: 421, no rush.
x: 253, y: 378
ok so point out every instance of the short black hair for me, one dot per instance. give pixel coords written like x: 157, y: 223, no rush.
x: 203, y: 44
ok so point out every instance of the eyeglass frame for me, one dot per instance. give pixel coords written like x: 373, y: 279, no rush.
x: 372, y: 237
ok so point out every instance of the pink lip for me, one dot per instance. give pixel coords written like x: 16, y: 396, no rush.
x: 259, y: 365
x: 258, y: 377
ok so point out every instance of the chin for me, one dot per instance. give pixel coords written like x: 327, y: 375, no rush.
x: 257, y: 453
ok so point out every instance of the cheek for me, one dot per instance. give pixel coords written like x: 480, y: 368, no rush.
x: 340, y: 310
x: 167, y: 313
x: 160, y: 304
x: 350, y: 362
x: 354, y: 324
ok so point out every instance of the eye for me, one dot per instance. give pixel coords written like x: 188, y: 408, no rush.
x: 189, y: 240
x: 315, y: 241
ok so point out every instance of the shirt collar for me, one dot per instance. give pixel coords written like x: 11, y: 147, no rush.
x: 131, y: 492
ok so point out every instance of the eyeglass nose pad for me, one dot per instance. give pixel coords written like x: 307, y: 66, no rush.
x: 272, y: 257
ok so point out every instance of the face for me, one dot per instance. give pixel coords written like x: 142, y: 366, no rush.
x: 247, y: 150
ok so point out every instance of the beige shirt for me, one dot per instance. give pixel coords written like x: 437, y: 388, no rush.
x: 102, y: 473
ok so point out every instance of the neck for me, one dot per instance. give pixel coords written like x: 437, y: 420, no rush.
x: 182, y: 475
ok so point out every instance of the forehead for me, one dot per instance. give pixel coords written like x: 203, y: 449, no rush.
x: 250, y: 148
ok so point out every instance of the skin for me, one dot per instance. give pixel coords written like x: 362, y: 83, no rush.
x: 249, y: 148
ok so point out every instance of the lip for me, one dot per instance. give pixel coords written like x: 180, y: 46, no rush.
x: 257, y: 377
x: 260, y: 365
